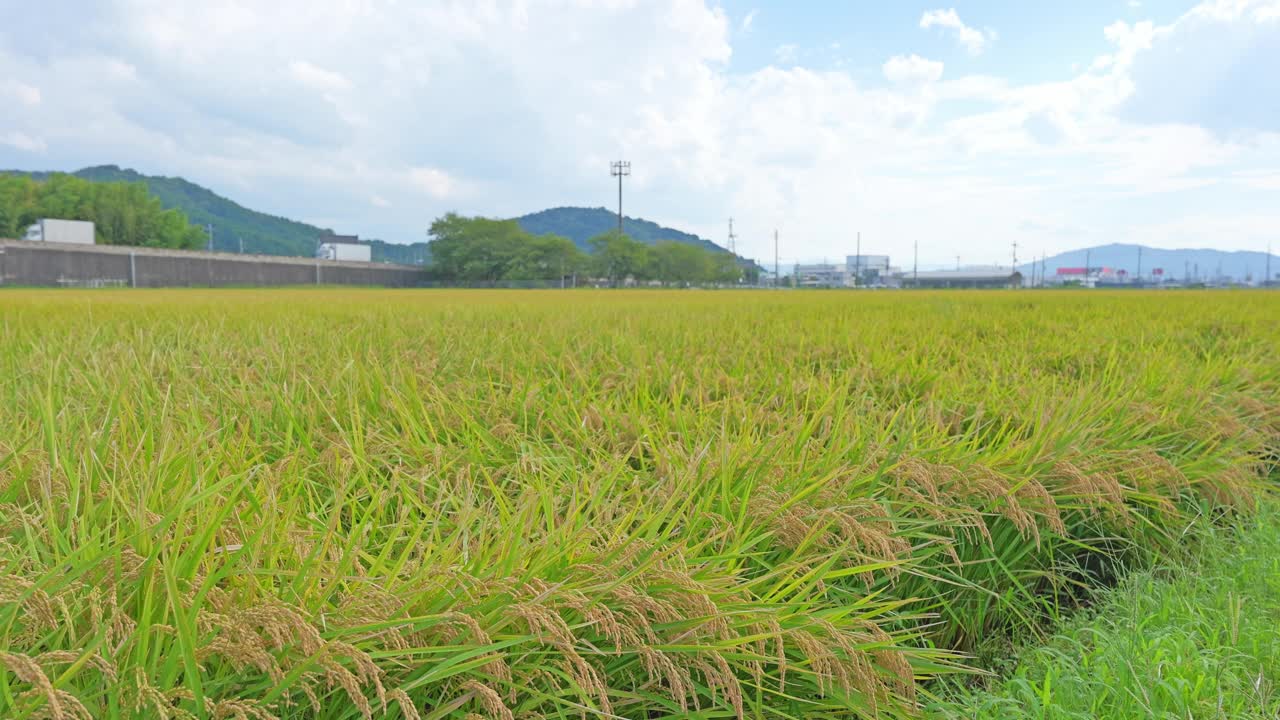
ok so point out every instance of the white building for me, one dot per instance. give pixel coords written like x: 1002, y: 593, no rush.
x: 829, y: 275
x: 870, y: 270
x: 857, y: 263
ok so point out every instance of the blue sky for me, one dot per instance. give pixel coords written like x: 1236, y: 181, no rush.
x: 1032, y: 43
x: 961, y: 126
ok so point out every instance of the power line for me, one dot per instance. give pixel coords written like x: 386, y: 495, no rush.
x: 620, y: 169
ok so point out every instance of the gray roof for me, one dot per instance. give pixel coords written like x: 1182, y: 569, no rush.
x: 962, y: 274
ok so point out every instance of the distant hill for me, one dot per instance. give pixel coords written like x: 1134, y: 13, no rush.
x: 1176, y: 264
x: 273, y: 235
x: 233, y: 223
x: 581, y: 224
x: 261, y: 233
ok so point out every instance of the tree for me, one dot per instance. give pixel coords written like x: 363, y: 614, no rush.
x: 546, y: 257
x: 618, y: 257
x: 725, y: 269
x: 124, y: 213
x: 680, y: 263
x: 472, y: 249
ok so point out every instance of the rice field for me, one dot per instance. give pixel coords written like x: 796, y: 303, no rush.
x: 358, y: 504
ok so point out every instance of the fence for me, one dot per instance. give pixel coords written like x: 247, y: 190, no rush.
x: 60, y: 265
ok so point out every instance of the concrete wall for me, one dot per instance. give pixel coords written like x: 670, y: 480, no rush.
x: 60, y: 265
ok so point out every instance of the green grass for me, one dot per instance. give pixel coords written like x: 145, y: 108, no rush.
x: 1200, y: 641
x: 342, y: 504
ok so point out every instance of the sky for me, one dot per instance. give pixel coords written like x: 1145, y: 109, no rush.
x: 961, y: 127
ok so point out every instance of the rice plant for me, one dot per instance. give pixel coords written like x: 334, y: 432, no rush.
x: 356, y: 504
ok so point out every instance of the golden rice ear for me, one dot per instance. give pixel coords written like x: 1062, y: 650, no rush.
x: 407, y: 709
x: 489, y: 700
x: 42, y: 699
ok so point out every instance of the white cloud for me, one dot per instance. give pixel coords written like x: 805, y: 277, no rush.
x: 974, y: 41
x: 749, y: 20
x: 433, y: 182
x: 912, y: 70
x: 22, y: 141
x: 25, y: 94
x: 318, y: 78
x: 1212, y: 67
x: 517, y: 107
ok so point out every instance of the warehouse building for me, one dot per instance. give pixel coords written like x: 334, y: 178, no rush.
x: 975, y: 277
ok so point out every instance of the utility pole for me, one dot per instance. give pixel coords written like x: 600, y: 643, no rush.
x: 915, y: 263
x: 1013, y: 270
x: 209, y: 227
x: 733, y: 240
x: 1139, y: 275
x: 241, y: 245
x: 1266, y: 281
x: 1087, y: 256
x: 777, y: 277
x: 620, y: 169
x: 957, y: 263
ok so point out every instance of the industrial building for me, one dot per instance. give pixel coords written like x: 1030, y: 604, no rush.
x: 972, y: 277
x: 855, y: 271
x: 825, y: 275
x: 347, y: 248
x: 871, y: 271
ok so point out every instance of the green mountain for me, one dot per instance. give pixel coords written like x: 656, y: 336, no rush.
x: 272, y: 235
x: 581, y: 224
x: 232, y: 223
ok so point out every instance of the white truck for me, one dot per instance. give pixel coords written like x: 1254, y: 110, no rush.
x: 76, y: 232
x: 351, y: 252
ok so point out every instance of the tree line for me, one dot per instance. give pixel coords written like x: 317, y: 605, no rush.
x: 477, y: 250
x: 123, y: 213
